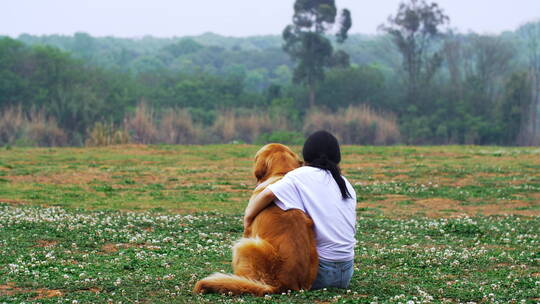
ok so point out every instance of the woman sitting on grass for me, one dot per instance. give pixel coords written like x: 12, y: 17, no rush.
x: 328, y: 198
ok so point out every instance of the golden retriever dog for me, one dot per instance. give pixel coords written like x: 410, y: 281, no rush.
x: 278, y: 251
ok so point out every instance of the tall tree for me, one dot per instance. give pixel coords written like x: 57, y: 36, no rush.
x: 413, y: 30
x: 514, y: 113
x: 487, y: 66
x: 530, y: 34
x: 306, y: 43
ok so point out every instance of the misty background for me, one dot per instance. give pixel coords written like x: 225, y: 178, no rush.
x: 239, y: 18
x: 178, y: 72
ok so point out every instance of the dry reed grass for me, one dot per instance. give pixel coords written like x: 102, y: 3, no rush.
x: 33, y: 128
x: 246, y: 127
x: 355, y: 125
x: 103, y: 134
x: 177, y: 127
x: 141, y: 125
x: 12, y: 120
x: 174, y: 126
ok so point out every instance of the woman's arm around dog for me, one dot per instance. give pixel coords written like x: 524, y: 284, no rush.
x: 256, y: 204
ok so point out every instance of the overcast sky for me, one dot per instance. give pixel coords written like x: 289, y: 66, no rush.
x: 167, y: 18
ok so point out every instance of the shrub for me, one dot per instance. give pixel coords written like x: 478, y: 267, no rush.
x: 249, y: 127
x: 245, y: 127
x: 355, y: 125
x: 32, y: 128
x: 282, y: 137
x: 12, y: 121
x: 176, y: 127
x: 103, y: 134
x: 140, y: 126
x: 224, y: 127
x: 417, y: 130
x: 44, y: 131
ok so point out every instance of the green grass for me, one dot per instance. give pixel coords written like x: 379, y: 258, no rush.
x: 206, y: 178
x: 156, y: 258
x: 142, y: 224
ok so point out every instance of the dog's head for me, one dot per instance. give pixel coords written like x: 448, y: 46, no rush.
x: 274, y: 160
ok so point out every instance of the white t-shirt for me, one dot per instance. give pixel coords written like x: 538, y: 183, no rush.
x: 315, y: 192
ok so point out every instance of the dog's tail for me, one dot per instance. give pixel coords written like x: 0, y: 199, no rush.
x: 232, y: 284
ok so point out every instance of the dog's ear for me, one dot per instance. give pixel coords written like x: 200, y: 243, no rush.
x: 294, y: 160
x: 264, y: 161
x: 260, y: 168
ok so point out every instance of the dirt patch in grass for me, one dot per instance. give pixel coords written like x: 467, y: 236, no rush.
x: 9, y: 289
x: 396, y: 197
x: 400, y: 176
x: 46, y: 293
x: 359, y: 165
x: 132, y: 149
x: 111, y: 248
x: 436, y: 205
x: 466, y: 181
x: 13, y: 201
x: 442, y: 207
x: 46, y: 243
x: 64, y: 178
x: 510, y: 207
x: 42, y: 293
x: 475, y: 179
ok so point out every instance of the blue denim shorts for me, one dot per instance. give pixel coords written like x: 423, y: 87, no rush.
x: 333, y: 274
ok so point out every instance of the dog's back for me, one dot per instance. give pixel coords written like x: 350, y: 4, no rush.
x: 291, y: 234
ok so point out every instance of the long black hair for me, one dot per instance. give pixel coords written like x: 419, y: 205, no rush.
x: 321, y: 150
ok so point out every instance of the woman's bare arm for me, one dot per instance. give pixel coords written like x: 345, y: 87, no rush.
x: 256, y: 204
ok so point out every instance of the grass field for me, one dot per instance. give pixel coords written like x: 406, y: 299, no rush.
x: 141, y: 224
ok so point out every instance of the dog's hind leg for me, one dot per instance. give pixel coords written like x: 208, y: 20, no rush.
x: 256, y: 259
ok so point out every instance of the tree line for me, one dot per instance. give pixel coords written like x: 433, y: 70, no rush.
x: 439, y: 86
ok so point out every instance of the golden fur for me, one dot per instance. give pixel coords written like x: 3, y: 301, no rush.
x: 278, y: 251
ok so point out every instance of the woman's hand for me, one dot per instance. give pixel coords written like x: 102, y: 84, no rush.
x: 247, y: 221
